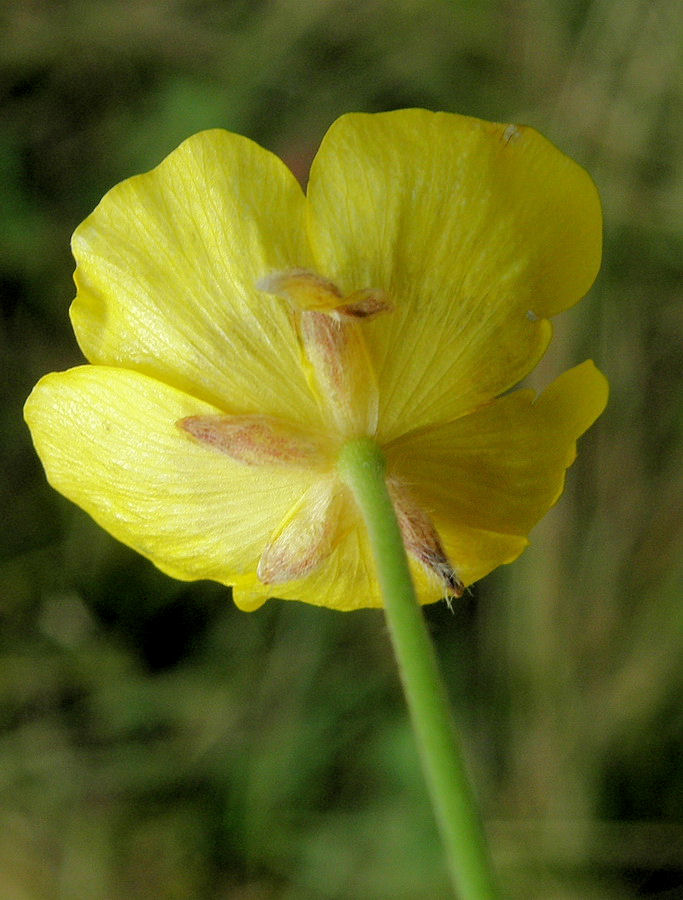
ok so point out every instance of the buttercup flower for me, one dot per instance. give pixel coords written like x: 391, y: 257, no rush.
x: 239, y: 333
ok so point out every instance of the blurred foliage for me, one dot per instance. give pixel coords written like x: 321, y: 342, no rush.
x: 156, y: 742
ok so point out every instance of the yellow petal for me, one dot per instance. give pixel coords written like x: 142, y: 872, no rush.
x: 478, y: 551
x: 109, y: 442
x: 167, y: 271
x: 474, y: 231
x: 494, y: 473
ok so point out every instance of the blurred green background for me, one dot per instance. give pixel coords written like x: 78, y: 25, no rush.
x: 155, y: 742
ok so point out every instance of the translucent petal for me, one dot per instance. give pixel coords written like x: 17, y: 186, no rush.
x: 167, y: 271
x: 476, y: 552
x: 109, y: 442
x: 474, y: 231
x: 487, y: 478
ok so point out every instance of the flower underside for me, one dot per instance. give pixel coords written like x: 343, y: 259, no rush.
x: 240, y: 332
x: 341, y: 377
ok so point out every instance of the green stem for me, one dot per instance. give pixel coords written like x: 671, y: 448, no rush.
x: 362, y: 467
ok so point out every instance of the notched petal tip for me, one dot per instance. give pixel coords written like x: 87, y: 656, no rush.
x: 511, y: 134
x: 254, y: 440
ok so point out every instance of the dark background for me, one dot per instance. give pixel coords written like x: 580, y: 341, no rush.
x: 155, y: 742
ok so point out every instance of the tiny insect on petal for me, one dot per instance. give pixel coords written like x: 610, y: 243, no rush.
x: 254, y: 440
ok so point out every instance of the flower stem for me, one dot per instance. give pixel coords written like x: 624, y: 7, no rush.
x: 362, y: 467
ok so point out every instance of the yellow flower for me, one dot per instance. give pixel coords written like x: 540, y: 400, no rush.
x: 239, y: 333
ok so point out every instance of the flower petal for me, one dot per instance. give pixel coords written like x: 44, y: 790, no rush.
x: 487, y: 478
x: 478, y: 551
x: 109, y: 441
x: 167, y: 271
x: 474, y: 231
